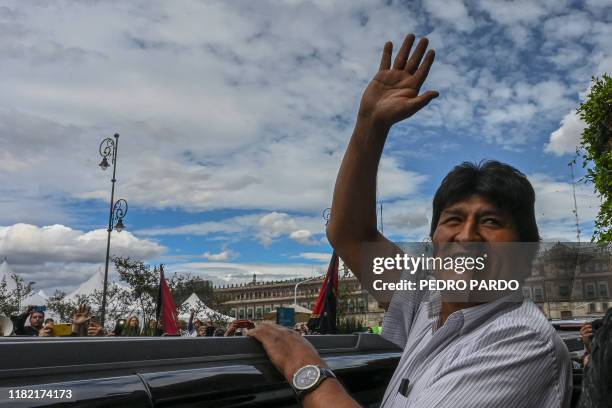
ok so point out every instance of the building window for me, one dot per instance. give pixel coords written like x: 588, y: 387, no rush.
x: 259, y: 313
x: 605, y: 306
x: 591, y: 308
x: 589, y: 290
x: 527, y: 292
x: 241, y: 313
x: 603, y: 290
x: 267, y: 309
x: 361, y: 305
x: 233, y: 313
x: 538, y: 295
x: 564, y: 290
x: 250, y: 313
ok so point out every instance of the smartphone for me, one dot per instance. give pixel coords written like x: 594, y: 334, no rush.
x: 95, y: 320
x: 61, y: 329
x: 244, y: 324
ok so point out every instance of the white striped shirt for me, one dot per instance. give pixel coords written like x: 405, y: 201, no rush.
x: 499, y: 354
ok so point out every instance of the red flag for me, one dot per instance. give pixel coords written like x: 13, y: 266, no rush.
x: 165, y: 305
x: 323, y: 318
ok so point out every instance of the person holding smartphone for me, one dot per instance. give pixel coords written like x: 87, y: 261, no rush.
x: 37, y: 317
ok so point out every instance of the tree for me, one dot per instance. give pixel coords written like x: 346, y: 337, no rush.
x: 6, y: 309
x: 118, y: 303
x: 11, y: 301
x: 61, y: 306
x: 596, y: 143
x: 143, y: 285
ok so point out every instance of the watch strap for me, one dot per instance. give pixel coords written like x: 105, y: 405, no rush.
x: 324, y: 374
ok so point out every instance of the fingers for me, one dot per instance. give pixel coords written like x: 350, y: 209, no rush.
x: 417, y: 55
x: 402, y: 55
x: 385, y: 61
x: 422, y: 100
x: 423, y: 70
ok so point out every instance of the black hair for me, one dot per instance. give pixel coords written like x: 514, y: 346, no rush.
x: 502, y: 184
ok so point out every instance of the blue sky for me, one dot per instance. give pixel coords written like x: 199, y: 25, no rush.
x: 234, y: 117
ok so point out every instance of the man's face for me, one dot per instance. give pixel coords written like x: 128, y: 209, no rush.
x: 466, y: 229
x: 475, y: 219
x: 36, y: 319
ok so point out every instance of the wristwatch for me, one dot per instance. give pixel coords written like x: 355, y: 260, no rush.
x: 308, y: 378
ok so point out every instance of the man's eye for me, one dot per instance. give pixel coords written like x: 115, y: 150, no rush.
x: 452, y: 220
x: 491, y: 221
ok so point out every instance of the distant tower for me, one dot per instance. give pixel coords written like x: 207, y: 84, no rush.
x: 254, y: 278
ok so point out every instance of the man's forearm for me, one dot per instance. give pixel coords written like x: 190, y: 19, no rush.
x: 353, y: 216
x: 329, y: 394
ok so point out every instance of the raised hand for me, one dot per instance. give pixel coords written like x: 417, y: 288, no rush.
x: 46, y: 331
x: 393, y: 94
x: 82, y: 315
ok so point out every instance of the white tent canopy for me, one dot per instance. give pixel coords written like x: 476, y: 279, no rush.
x: 37, y: 299
x: 95, y: 282
x: 5, y: 273
x: 194, y: 302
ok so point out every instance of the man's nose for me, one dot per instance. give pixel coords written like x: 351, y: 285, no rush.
x: 469, y: 232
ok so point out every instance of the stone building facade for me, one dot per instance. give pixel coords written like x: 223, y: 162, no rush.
x: 570, y: 281
x: 254, y: 299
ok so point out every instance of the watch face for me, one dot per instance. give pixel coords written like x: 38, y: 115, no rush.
x: 306, y: 377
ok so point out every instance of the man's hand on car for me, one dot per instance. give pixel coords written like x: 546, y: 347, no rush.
x: 287, y: 349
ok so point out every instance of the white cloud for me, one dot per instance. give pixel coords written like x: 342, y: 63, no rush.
x: 555, y: 205
x: 265, y: 227
x: 30, y: 244
x: 303, y: 236
x: 451, y: 12
x: 57, y: 256
x: 315, y: 256
x: 565, y: 140
x: 225, y: 255
x: 231, y: 273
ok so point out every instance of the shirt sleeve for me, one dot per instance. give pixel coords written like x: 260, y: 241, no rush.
x: 402, y: 311
x: 510, y: 368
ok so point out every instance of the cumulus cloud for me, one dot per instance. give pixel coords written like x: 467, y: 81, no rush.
x: 57, y: 256
x: 565, y: 140
x: 451, y: 12
x: 303, y: 236
x: 264, y: 227
x: 30, y: 244
x: 225, y: 255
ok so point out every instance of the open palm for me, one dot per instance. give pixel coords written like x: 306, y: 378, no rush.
x: 393, y: 94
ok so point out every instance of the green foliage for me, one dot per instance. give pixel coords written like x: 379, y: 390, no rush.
x: 58, y: 304
x: 596, y: 141
x: 350, y: 325
x: 11, y: 301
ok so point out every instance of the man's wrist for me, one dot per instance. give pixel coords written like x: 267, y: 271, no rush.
x: 291, y: 370
x: 329, y: 385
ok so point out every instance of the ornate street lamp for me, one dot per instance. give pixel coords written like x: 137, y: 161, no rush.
x: 118, y: 209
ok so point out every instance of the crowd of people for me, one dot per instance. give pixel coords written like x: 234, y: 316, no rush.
x: 83, y: 323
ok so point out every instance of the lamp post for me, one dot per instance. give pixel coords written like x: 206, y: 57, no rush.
x: 118, y: 209
x: 298, y: 284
